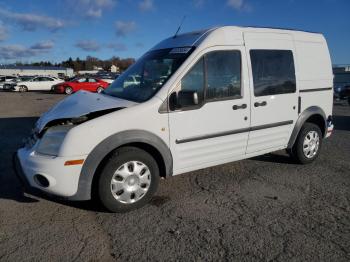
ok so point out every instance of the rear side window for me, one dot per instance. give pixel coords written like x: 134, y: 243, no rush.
x: 223, y: 75
x: 46, y: 79
x: 273, y: 72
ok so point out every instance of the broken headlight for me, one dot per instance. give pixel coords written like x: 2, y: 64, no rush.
x: 51, y: 141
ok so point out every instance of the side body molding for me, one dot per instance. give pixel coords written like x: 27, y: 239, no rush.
x: 108, y: 145
x: 310, y: 111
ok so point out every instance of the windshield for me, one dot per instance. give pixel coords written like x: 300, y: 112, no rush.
x: 143, y: 79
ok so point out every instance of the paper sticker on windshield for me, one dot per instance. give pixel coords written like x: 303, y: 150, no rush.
x: 180, y: 50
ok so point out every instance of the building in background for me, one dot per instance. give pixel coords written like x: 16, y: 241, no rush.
x: 114, y: 69
x: 12, y: 70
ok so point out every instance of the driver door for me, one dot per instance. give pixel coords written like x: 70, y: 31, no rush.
x: 91, y: 84
x: 214, y: 128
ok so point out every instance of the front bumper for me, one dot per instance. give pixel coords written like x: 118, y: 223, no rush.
x: 19, y: 172
x: 62, y: 180
x: 7, y: 87
x: 59, y: 89
x: 330, y: 127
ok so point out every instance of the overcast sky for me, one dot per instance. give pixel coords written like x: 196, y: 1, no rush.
x: 54, y: 30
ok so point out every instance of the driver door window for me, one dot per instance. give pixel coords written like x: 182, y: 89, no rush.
x: 215, y: 77
x: 194, y: 80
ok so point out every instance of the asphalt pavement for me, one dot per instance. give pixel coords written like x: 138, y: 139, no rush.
x: 263, y: 209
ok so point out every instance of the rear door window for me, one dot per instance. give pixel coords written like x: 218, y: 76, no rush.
x: 273, y: 72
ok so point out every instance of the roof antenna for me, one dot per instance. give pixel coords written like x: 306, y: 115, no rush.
x: 179, y: 28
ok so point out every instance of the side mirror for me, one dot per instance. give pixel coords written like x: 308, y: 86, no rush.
x: 187, y: 98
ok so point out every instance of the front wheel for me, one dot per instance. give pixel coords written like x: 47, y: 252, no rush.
x: 128, y: 180
x: 99, y: 89
x: 22, y: 89
x: 308, y: 144
x: 68, y: 90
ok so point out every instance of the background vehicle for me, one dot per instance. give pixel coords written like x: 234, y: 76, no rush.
x: 200, y: 99
x: 37, y: 83
x: 107, y: 77
x: 10, y: 86
x: 346, y: 93
x: 132, y: 80
x: 83, y: 83
x: 341, y: 81
x: 6, y: 79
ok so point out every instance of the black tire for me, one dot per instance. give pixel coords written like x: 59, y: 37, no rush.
x: 297, y: 151
x: 349, y: 100
x: 22, y: 89
x: 118, y: 158
x: 68, y: 90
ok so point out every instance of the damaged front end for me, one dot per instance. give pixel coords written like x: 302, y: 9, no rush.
x: 76, y: 120
x: 48, y: 139
x: 52, y: 127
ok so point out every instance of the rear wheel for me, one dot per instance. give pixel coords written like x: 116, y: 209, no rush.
x: 99, y: 89
x: 68, y: 90
x: 308, y: 144
x: 128, y: 180
x: 22, y: 89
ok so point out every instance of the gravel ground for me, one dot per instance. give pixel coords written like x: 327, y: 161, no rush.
x: 260, y: 209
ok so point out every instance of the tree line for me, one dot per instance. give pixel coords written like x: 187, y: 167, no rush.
x: 87, y: 64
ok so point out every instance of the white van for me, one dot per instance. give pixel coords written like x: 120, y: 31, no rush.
x: 204, y: 98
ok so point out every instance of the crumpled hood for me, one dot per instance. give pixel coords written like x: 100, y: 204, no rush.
x: 80, y: 104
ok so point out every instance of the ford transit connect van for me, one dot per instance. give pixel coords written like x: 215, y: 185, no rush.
x: 202, y: 99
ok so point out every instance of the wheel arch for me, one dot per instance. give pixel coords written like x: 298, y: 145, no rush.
x: 313, y: 114
x: 24, y: 86
x: 100, y: 154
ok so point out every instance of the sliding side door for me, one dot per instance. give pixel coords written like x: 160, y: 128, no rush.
x: 273, y: 90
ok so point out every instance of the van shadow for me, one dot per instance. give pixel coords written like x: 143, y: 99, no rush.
x: 275, y: 157
x: 341, y: 122
x: 12, y: 133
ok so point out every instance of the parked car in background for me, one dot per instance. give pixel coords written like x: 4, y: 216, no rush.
x: 10, y: 86
x: 83, y: 83
x: 37, y: 83
x: 132, y: 80
x: 346, y: 93
x: 108, y: 77
x: 6, y: 79
x: 341, y: 81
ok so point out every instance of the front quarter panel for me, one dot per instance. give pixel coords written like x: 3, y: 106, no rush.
x: 100, y: 136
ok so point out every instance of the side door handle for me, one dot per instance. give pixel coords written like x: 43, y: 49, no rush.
x: 236, y: 107
x: 263, y: 103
